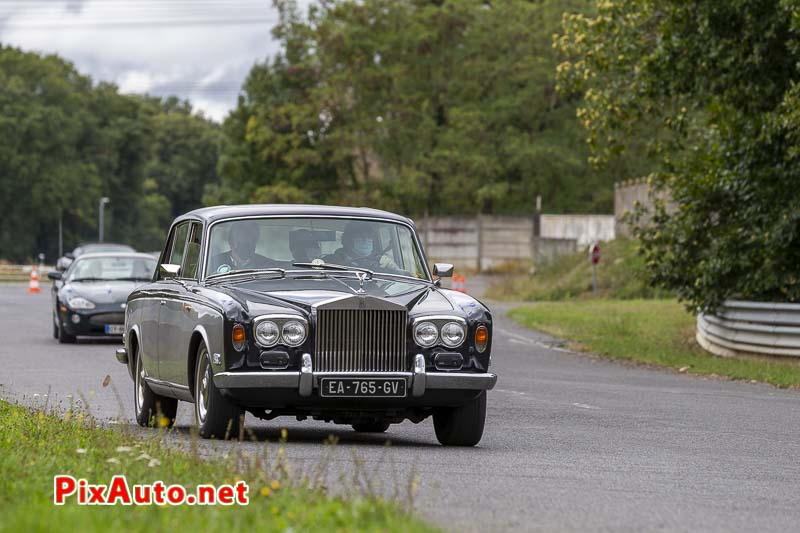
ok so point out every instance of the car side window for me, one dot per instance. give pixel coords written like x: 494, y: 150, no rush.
x: 178, y: 244
x: 192, y: 254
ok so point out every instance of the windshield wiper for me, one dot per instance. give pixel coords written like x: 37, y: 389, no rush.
x: 243, y: 271
x: 340, y: 268
x: 88, y: 279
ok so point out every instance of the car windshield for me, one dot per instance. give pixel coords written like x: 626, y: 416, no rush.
x: 382, y: 247
x: 112, y: 268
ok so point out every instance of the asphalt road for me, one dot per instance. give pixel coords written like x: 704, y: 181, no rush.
x: 572, y: 443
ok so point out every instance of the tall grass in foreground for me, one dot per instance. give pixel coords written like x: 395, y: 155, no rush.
x: 37, y: 444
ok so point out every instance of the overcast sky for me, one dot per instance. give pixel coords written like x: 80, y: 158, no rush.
x: 200, y: 50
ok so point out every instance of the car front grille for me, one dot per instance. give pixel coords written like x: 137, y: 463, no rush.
x: 361, y: 340
x: 101, y: 319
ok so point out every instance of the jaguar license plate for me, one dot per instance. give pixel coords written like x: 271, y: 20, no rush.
x: 363, y: 387
x: 115, y: 329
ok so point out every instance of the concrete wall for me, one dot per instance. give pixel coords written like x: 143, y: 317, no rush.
x: 627, y: 194
x: 498, y: 242
x: 583, y: 228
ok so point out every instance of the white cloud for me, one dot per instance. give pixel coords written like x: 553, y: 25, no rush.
x: 196, y: 49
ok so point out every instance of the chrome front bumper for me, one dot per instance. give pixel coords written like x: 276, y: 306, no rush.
x: 306, y: 380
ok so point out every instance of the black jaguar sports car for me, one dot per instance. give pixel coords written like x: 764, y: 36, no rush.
x: 308, y: 311
x: 90, y: 297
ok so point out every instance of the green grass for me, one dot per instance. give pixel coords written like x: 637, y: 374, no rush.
x: 620, y: 274
x: 658, y: 332
x: 34, y: 446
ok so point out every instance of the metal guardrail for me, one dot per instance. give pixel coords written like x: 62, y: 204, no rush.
x: 747, y: 328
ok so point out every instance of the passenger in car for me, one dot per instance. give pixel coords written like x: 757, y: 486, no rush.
x: 361, y: 247
x: 304, y: 246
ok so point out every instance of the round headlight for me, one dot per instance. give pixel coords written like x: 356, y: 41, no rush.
x: 425, y: 334
x: 267, y: 333
x: 294, y: 333
x: 453, y: 334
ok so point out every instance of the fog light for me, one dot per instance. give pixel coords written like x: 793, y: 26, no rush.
x: 274, y: 360
x: 448, y: 361
x: 75, y: 318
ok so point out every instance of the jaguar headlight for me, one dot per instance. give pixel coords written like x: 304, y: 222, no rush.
x: 293, y: 333
x: 453, y: 334
x: 78, y: 302
x: 426, y: 334
x: 267, y: 333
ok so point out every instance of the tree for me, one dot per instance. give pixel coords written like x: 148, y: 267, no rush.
x: 414, y: 105
x: 712, y: 85
x: 65, y: 142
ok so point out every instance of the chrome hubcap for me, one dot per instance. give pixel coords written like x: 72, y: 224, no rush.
x: 203, y: 382
x: 139, y: 385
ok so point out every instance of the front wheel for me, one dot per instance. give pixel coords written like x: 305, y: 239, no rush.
x: 462, y: 425
x: 216, y: 416
x: 151, y: 408
x: 64, y: 337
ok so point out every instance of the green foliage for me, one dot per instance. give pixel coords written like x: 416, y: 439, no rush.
x: 712, y: 85
x: 66, y: 142
x: 445, y: 107
x: 621, y: 274
x: 35, y: 446
x: 655, y: 332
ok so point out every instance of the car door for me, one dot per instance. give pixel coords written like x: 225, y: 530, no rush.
x: 160, y: 307
x: 176, y: 324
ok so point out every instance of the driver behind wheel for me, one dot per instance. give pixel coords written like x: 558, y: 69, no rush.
x: 361, y: 247
x: 242, y: 240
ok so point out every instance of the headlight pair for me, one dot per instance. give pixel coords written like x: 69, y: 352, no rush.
x: 270, y: 331
x: 450, y: 333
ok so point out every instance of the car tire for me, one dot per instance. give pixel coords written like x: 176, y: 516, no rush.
x: 64, y: 337
x: 462, y: 425
x: 371, y: 427
x: 151, y: 408
x: 216, y: 416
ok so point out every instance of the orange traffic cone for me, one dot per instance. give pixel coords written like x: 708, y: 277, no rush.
x: 463, y: 284
x: 455, y: 284
x: 33, y: 286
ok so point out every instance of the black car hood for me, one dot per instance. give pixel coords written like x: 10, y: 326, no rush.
x: 259, y: 296
x: 100, y: 292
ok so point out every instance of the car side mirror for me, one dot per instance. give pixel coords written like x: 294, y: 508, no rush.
x: 54, y: 275
x: 443, y: 270
x: 168, y: 270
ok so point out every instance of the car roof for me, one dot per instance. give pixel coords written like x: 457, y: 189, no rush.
x: 220, y: 212
x: 131, y: 255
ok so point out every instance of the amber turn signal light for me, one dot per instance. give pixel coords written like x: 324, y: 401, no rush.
x: 237, y: 337
x: 481, y: 338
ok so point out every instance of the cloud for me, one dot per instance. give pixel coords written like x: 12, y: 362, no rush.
x: 199, y: 50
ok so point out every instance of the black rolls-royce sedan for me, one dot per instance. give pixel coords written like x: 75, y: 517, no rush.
x: 306, y: 311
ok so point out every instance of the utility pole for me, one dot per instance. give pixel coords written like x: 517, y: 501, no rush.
x: 60, y: 233
x: 103, y: 201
